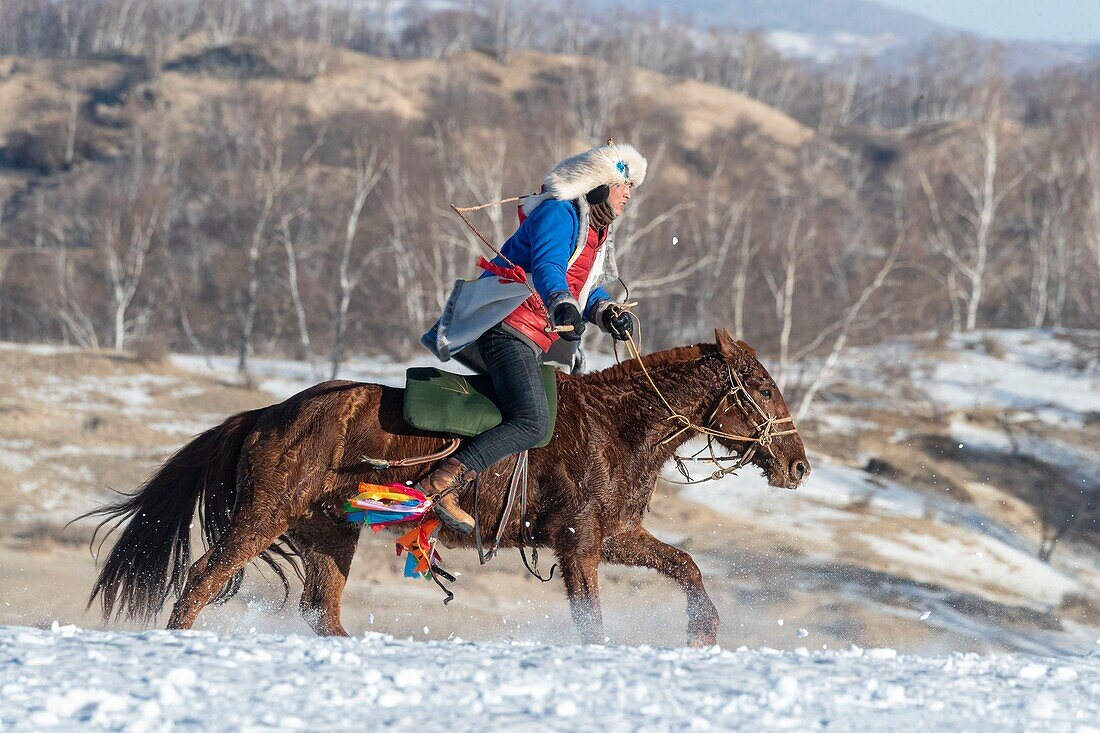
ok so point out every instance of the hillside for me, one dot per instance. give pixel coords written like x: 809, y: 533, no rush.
x: 919, y: 528
x: 44, y: 102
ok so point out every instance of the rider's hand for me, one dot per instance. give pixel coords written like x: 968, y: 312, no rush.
x: 618, y: 323
x: 567, y: 314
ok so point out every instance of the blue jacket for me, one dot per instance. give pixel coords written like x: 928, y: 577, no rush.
x: 544, y: 246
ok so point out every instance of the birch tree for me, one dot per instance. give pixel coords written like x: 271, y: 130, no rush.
x: 963, y: 220
x: 724, y: 232
x: 511, y: 25
x: 402, y: 217
x: 851, y: 320
x: 289, y: 235
x: 793, y: 237
x: 594, y: 93
x: 352, y: 264
x: 270, y: 180
x: 1090, y: 163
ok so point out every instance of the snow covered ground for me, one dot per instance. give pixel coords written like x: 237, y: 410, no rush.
x: 68, y: 679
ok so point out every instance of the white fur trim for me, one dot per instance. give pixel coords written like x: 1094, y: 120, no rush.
x: 599, y: 166
x: 573, y: 177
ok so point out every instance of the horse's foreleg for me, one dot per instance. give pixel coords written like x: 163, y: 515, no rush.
x: 641, y: 549
x: 327, y: 549
x: 580, y: 571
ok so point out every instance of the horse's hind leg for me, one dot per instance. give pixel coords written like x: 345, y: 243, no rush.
x: 253, y: 530
x: 326, y: 547
x: 639, y: 548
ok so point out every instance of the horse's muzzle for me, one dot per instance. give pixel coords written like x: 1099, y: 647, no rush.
x: 797, y: 471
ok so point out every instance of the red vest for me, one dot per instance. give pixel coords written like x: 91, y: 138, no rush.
x: 530, y: 318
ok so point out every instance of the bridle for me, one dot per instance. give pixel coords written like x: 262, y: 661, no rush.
x: 766, y: 428
x: 764, y: 431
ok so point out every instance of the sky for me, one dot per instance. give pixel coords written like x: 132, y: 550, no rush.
x: 1075, y: 21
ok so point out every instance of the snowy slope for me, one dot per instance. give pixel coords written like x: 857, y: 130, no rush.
x: 69, y: 679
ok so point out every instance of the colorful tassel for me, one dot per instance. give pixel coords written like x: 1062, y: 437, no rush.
x: 418, y: 543
x: 380, y: 506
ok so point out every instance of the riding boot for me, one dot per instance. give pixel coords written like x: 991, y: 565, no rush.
x: 443, y: 485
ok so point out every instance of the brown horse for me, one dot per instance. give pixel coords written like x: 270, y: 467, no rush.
x: 269, y: 484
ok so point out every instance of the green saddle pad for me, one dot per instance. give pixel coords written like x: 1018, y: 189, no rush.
x: 442, y: 402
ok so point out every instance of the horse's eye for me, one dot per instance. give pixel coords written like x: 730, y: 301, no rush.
x: 766, y: 394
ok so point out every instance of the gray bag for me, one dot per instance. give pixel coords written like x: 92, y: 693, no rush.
x: 473, y: 307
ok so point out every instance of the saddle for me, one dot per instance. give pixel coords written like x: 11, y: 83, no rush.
x: 443, y: 402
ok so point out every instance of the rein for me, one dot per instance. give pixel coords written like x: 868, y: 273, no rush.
x: 763, y: 433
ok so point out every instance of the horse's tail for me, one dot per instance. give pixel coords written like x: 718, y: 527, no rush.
x: 153, y: 553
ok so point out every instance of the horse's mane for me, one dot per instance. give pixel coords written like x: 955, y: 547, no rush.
x: 656, y: 360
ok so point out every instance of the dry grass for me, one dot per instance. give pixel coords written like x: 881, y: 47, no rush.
x: 150, y: 349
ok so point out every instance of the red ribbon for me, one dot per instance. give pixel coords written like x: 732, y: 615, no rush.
x: 514, y: 274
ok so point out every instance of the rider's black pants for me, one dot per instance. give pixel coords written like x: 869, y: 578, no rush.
x: 513, y: 366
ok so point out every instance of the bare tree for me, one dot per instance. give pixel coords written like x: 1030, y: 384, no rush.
x: 125, y: 220
x: 964, y: 234
x: 1047, y: 212
x: 1090, y: 162
x: 852, y: 319
x: 126, y: 245
x: 791, y: 250
x: 403, y: 217
x: 512, y: 25
x: 747, y: 249
x: 223, y: 19
x: 75, y: 321
x: 369, y: 168
x: 74, y: 16
x: 292, y: 248
x: 270, y: 181
x: 721, y: 229
x: 594, y: 93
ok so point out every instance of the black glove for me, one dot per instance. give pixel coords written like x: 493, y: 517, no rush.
x: 620, y: 324
x: 566, y: 314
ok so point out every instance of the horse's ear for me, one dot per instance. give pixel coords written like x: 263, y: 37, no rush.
x: 748, y: 349
x: 725, y: 342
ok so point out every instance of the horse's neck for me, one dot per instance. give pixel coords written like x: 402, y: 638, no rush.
x: 689, y: 388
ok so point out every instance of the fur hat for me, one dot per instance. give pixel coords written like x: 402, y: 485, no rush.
x: 572, y: 178
x: 602, y: 165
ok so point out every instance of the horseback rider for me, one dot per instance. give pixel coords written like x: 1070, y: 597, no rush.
x: 496, y: 325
